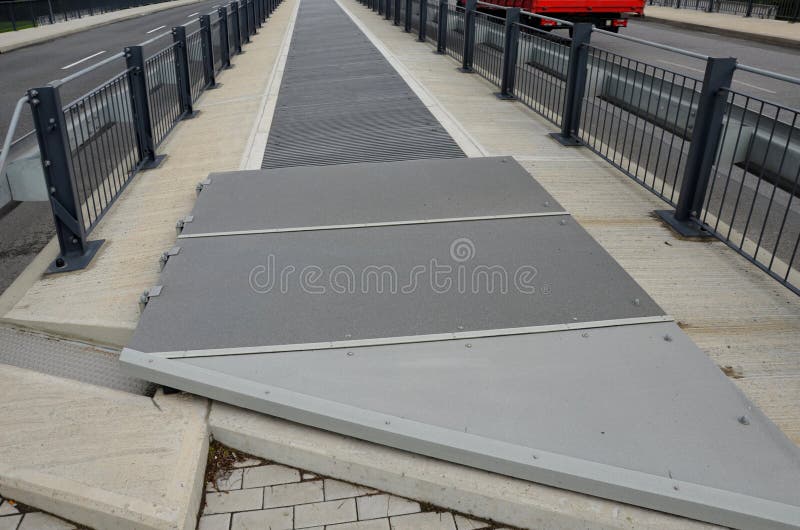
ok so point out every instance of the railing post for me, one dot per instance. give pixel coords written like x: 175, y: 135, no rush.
x: 510, y: 47
x: 244, y: 27
x: 441, y: 28
x: 407, y: 17
x: 182, y: 71
x: 254, y: 23
x: 208, y: 51
x: 380, y: 7
x: 224, y: 38
x: 237, y: 29
x: 51, y: 131
x: 576, y: 83
x: 707, y: 132
x: 469, y: 36
x: 396, y: 10
x: 749, y: 11
x: 387, y: 9
x: 137, y: 82
x: 423, y: 20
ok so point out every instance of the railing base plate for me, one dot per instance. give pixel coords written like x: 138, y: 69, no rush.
x: 566, y: 141
x: 153, y: 164
x: 684, y: 228
x: 465, y: 70
x: 505, y: 97
x: 74, y: 263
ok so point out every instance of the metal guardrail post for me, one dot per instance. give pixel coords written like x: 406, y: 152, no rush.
x: 244, y: 29
x: 510, y: 49
x: 51, y: 131
x: 253, y: 19
x: 441, y: 29
x: 407, y: 17
x: 237, y: 29
x: 208, y: 51
x: 137, y: 82
x: 397, y: 4
x: 749, y: 11
x: 387, y: 9
x: 576, y: 83
x: 707, y: 132
x: 469, y: 36
x: 423, y: 20
x: 182, y: 71
x: 224, y: 38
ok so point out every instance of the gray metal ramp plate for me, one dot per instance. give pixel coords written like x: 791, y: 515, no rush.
x: 367, y: 193
x: 224, y: 292
x: 622, y: 413
x: 341, y: 101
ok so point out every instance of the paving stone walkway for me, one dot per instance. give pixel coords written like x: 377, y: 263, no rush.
x: 259, y: 496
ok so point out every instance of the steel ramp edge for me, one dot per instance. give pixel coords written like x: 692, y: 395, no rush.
x: 648, y: 490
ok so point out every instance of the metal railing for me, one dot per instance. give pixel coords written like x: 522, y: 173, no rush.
x: 728, y: 162
x: 788, y: 10
x: 93, y: 147
x: 21, y: 14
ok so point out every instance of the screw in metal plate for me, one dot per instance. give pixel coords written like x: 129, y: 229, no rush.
x: 460, y: 327
x: 636, y: 302
x: 585, y: 335
x: 562, y: 222
x: 743, y: 420
x: 667, y: 338
x: 468, y: 345
x: 349, y: 354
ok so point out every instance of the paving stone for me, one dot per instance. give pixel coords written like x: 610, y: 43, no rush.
x: 383, y: 505
x: 220, y: 521
x: 336, y: 489
x: 233, y: 501
x: 8, y: 509
x: 44, y: 521
x: 256, y: 477
x: 250, y: 462
x: 10, y: 522
x: 373, y: 524
x: 325, y: 513
x: 294, y: 493
x: 424, y: 521
x: 465, y: 523
x: 232, y: 481
x: 275, y: 519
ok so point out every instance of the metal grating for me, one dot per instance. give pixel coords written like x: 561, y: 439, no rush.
x: 341, y: 102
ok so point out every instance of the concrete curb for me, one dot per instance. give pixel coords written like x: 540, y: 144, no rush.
x: 101, y: 20
x: 766, y: 39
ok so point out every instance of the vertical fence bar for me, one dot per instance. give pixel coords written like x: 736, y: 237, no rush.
x: 510, y: 48
x: 441, y: 35
x: 387, y: 9
x: 182, y: 71
x: 576, y: 83
x: 397, y: 4
x: 749, y: 11
x: 224, y: 38
x: 51, y: 131
x: 423, y: 20
x: 134, y: 60
x: 208, y: 52
x: 706, y: 135
x: 244, y: 30
x: 50, y: 11
x: 407, y: 17
x: 237, y: 29
x: 469, y: 36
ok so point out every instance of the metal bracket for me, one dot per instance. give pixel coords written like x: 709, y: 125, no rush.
x: 174, y: 251
x: 147, y: 295
x: 201, y: 185
x: 182, y: 221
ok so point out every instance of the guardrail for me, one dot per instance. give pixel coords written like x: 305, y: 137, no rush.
x: 92, y: 147
x: 788, y: 10
x: 21, y: 14
x: 728, y: 162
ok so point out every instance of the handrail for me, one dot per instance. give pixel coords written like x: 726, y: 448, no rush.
x: 12, y: 127
x: 95, y: 66
x: 545, y: 17
x: 653, y: 44
x: 767, y: 73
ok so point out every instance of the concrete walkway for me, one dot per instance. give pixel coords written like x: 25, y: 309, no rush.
x: 12, y: 40
x: 777, y: 32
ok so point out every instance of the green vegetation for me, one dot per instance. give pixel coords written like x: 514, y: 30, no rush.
x: 5, y: 25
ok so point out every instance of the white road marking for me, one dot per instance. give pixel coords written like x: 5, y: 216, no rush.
x: 193, y: 14
x: 703, y: 71
x: 82, y: 60
x: 155, y: 29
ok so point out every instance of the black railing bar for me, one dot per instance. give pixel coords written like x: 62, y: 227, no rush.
x: 767, y: 73
x: 12, y: 127
x: 779, y: 107
x: 99, y: 88
x: 153, y: 39
x: 653, y: 44
x: 95, y: 66
x: 610, y: 56
x: 545, y: 17
x: 162, y: 51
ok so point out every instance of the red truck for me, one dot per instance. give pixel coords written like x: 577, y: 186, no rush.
x: 609, y: 15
